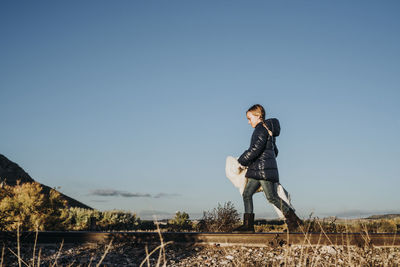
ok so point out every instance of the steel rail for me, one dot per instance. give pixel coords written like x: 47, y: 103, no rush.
x: 222, y: 239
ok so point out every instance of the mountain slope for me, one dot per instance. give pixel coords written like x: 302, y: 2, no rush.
x: 10, y: 172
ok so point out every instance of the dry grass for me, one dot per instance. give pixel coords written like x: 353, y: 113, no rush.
x: 304, y: 254
x: 33, y: 262
x: 161, y: 248
x: 335, y: 225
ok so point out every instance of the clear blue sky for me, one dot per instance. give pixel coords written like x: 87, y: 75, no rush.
x: 143, y: 100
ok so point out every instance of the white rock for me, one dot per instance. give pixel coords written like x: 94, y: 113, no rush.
x: 328, y: 250
x: 229, y: 257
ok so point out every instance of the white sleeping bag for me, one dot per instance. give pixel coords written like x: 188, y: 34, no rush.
x: 239, y: 180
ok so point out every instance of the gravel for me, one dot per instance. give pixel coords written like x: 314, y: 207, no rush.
x: 124, y: 254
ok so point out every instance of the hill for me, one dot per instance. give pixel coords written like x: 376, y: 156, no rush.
x: 10, y: 172
x: 384, y: 216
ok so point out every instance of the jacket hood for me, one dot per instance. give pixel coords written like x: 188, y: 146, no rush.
x: 274, y: 126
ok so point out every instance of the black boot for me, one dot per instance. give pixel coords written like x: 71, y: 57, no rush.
x: 248, y: 224
x: 292, y: 221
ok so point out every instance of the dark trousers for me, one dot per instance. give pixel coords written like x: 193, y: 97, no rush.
x: 270, y: 191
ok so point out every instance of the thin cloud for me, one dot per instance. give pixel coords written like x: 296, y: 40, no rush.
x: 127, y: 194
x: 164, y: 195
x: 117, y: 193
x: 105, y: 192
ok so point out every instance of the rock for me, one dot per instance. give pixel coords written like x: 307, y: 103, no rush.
x: 176, y: 255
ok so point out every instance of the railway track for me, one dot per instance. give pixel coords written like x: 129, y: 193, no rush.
x: 222, y: 239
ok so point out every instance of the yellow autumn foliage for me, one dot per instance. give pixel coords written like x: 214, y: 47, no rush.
x: 27, y: 206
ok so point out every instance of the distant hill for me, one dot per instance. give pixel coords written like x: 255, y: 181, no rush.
x: 10, y: 172
x: 384, y: 216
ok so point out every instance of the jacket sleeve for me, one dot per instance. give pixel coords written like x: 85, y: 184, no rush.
x: 276, y: 150
x: 257, y: 146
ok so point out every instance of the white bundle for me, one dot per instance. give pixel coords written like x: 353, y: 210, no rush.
x: 235, y: 174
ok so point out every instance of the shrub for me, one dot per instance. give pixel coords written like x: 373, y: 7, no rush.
x: 180, y: 222
x: 221, y: 219
x: 82, y: 219
x: 365, y: 226
x: 316, y: 225
x: 146, y: 225
x: 117, y: 220
x: 374, y: 226
x: 25, y: 205
x: 387, y: 226
x: 266, y: 228
x: 86, y: 219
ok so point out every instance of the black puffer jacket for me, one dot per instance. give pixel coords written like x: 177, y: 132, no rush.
x: 260, y: 157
